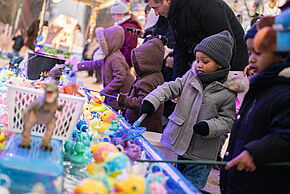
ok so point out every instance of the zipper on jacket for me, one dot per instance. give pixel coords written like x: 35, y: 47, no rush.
x: 251, y: 108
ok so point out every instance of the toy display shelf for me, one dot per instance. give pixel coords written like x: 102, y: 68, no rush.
x: 176, y: 183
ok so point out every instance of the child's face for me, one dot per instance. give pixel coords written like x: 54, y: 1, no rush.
x: 117, y: 17
x: 18, y: 33
x: 259, y: 61
x: 205, y: 64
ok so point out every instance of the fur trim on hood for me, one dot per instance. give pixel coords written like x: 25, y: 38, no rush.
x: 285, y: 73
x: 236, y: 84
x: 110, y: 39
x: 102, y: 40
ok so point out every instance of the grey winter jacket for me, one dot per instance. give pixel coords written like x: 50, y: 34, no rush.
x: 215, y: 105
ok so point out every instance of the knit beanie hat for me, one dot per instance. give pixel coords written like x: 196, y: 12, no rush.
x: 119, y: 8
x: 219, y: 47
x: 251, y: 33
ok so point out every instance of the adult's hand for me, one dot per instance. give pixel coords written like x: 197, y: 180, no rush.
x: 136, y: 32
x: 244, y: 161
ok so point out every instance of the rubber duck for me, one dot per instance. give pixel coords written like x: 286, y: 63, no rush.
x: 95, y: 124
x: 101, y: 149
x: 85, y: 138
x: 86, y: 107
x: 91, y: 186
x: 78, y: 159
x: 3, y: 139
x: 130, y: 184
x: 97, y: 104
x: 115, y: 125
x: 107, y: 117
x: 68, y: 149
x: 87, y: 114
x: 116, y: 162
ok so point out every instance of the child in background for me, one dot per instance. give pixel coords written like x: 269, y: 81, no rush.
x: 147, y: 61
x: 18, y: 42
x: 205, y: 110
x: 249, y: 39
x: 115, y: 70
x: 261, y: 133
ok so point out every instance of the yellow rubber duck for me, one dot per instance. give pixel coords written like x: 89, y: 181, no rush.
x: 87, y: 107
x: 97, y: 104
x: 95, y: 124
x: 3, y: 138
x: 91, y: 186
x: 130, y: 184
x: 107, y: 117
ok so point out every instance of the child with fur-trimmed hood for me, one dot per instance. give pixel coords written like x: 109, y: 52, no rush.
x: 116, y: 74
x: 205, y: 110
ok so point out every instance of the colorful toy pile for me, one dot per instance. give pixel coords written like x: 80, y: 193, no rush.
x: 100, y: 155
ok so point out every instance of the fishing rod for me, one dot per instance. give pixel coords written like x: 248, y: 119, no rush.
x: 207, y: 162
x: 108, y: 95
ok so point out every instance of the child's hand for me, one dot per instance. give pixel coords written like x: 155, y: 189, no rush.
x: 201, y: 128
x: 175, y: 100
x: 244, y: 161
x: 249, y: 71
x: 147, y: 108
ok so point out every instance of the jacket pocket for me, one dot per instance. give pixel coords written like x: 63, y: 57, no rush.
x: 173, y: 128
x: 206, y: 148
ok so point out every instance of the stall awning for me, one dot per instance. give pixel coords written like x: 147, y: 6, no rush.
x: 95, y: 3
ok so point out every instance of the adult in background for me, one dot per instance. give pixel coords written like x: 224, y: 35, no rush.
x: 18, y: 42
x: 122, y: 17
x: 194, y: 20
x: 32, y: 34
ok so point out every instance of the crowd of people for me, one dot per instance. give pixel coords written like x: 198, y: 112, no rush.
x: 208, y: 42
x: 179, y: 77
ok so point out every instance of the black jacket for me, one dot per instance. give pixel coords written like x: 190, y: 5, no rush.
x: 263, y: 128
x: 194, y: 20
x: 163, y: 28
x: 19, y: 43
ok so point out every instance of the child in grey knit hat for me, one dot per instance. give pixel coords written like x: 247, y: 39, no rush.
x: 205, y: 110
